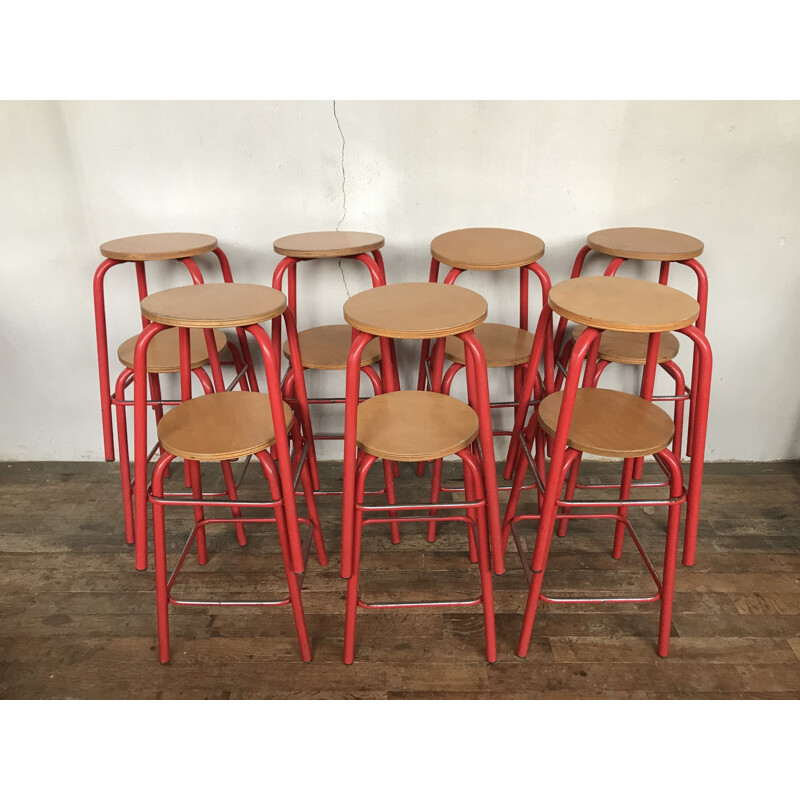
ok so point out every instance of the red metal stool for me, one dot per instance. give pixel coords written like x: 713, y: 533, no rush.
x: 611, y: 424
x: 139, y: 250
x: 643, y: 244
x: 221, y: 427
x: 206, y: 307
x: 326, y: 347
x: 489, y: 250
x: 412, y: 426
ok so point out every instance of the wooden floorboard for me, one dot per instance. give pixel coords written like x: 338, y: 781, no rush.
x: 78, y: 621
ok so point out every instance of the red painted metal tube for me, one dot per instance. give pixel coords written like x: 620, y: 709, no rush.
x: 701, y: 391
x: 477, y: 372
x: 360, y: 341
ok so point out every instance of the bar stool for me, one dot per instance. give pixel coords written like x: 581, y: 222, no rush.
x: 643, y: 244
x: 139, y: 250
x: 220, y: 427
x: 611, y: 424
x: 417, y: 426
x: 326, y: 347
x: 489, y: 250
x: 207, y: 307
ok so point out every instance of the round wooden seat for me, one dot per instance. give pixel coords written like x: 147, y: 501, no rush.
x: 218, y: 427
x: 214, y: 305
x: 631, y: 348
x: 487, y: 248
x: 158, y: 246
x: 610, y: 423
x: 415, y: 310
x: 163, y: 352
x: 623, y: 304
x: 327, y: 347
x: 646, y: 244
x: 327, y: 244
x: 503, y: 345
x: 415, y: 426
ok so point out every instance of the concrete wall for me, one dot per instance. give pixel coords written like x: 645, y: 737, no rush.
x: 75, y: 174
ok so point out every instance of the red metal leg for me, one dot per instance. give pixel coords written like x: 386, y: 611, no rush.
x: 351, y: 608
x: 360, y: 341
x: 197, y: 494
x: 124, y: 457
x: 275, y: 482
x: 622, y: 510
x: 475, y: 485
x: 670, y: 551
x: 697, y: 442
x: 477, y: 373
x: 140, y: 440
x: 160, y: 557
x: 569, y: 493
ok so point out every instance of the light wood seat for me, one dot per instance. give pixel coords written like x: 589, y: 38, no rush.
x: 487, y: 248
x: 327, y: 347
x: 415, y: 310
x: 646, y: 244
x: 415, y: 426
x: 503, y: 345
x: 214, y: 305
x: 623, y: 304
x: 327, y: 244
x: 219, y: 427
x: 609, y: 423
x: 623, y: 347
x: 158, y: 246
x: 163, y: 352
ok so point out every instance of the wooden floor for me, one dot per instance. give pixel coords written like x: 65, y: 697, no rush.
x: 77, y: 621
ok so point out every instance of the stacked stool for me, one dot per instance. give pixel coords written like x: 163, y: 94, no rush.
x: 326, y: 347
x: 611, y: 424
x: 488, y: 250
x: 644, y: 244
x: 139, y: 250
x: 220, y: 427
x: 418, y: 426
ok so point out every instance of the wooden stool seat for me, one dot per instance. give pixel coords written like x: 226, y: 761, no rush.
x: 415, y: 426
x: 327, y: 347
x: 647, y: 244
x: 327, y: 244
x: 609, y: 423
x: 219, y: 427
x: 158, y: 246
x: 623, y: 347
x: 487, y: 248
x: 163, y: 353
x: 503, y: 345
x: 214, y: 305
x: 623, y: 304
x: 415, y: 310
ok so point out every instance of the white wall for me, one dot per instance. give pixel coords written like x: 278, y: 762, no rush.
x: 75, y: 174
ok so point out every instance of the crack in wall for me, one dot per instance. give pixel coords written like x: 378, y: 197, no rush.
x: 344, y: 194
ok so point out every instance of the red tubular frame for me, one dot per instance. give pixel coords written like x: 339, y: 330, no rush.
x: 101, y: 334
x: 478, y: 393
x: 375, y: 267
x: 281, y: 446
x: 648, y: 375
x: 563, y: 462
x: 164, y: 583
x: 475, y: 517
